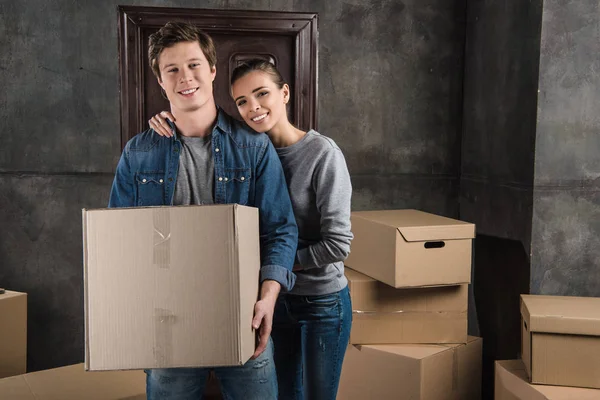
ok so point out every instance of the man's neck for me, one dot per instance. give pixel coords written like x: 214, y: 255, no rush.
x: 198, y: 123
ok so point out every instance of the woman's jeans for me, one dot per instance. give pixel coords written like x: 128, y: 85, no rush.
x: 311, y: 334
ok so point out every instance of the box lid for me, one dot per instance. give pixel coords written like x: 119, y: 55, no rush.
x: 419, y: 226
x: 562, y: 314
x: 416, y: 351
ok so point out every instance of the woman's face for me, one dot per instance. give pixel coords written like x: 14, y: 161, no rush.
x: 260, y: 102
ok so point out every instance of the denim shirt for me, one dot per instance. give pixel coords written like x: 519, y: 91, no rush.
x: 247, y: 172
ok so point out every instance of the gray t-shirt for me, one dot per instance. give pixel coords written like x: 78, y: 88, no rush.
x: 196, y: 175
x: 320, y: 190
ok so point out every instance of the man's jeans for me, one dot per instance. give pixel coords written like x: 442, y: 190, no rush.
x: 311, y: 334
x: 255, y: 380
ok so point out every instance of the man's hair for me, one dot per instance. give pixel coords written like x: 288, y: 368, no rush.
x: 257, y: 65
x: 173, y: 33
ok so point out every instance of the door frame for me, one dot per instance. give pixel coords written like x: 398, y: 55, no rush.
x: 132, y: 52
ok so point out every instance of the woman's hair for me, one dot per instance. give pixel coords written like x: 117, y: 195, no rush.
x: 257, y: 65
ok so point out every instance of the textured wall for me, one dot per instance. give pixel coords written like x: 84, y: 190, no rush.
x: 566, y: 218
x: 390, y: 87
x: 499, y: 117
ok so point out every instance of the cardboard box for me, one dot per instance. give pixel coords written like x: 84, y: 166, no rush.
x: 511, y: 384
x: 170, y: 286
x: 416, y: 372
x: 13, y: 333
x: 382, y: 314
x: 560, y: 341
x: 73, y: 383
x: 408, y: 248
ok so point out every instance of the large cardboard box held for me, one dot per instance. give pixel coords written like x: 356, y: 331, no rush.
x: 382, y: 314
x: 416, y: 372
x: 407, y: 248
x: 512, y: 384
x: 73, y: 383
x: 561, y: 340
x: 13, y: 333
x: 170, y: 286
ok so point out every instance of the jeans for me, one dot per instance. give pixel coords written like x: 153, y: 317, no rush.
x: 255, y: 380
x: 311, y: 334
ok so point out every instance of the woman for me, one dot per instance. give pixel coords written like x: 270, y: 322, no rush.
x: 311, y: 325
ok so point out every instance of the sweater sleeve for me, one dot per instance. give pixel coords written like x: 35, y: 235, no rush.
x: 331, y: 182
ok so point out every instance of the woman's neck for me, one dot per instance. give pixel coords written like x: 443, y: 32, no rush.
x: 285, y: 135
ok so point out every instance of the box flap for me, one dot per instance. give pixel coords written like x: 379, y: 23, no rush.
x: 562, y: 314
x: 417, y: 226
x: 416, y: 351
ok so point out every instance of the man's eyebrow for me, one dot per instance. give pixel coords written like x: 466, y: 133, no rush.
x: 191, y: 59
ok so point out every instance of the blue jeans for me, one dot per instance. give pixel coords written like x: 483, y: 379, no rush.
x: 255, y: 380
x: 311, y: 334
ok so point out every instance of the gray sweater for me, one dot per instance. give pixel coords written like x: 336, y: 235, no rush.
x: 320, y: 190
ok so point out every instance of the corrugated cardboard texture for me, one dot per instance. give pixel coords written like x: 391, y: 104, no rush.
x: 170, y: 286
x: 511, y: 384
x: 13, y: 333
x: 383, y: 314
x: 419, y: 372
x: 410, y: 248
x: 73, y: 383
x: 559, y: 342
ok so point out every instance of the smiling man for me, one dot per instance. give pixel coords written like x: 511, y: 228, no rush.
x: 211, y: 158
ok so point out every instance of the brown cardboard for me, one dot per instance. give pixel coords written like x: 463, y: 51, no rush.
x: 13, y: 333
x: 561, y: 340
x: 511, y: 384
x: 74, y: 383
x: 382, y: 314
x: 402, y: 248
x: 416, y: 372
x: 170, y: 286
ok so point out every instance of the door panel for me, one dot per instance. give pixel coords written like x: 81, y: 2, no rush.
x: 289, y: 39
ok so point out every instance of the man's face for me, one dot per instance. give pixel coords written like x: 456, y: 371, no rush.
x: 186, y: 76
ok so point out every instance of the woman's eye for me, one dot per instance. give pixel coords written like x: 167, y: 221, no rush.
x: 260, y: 94
x: 241, y: 103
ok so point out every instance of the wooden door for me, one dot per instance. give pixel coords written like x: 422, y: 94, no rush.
x: 287, y: 39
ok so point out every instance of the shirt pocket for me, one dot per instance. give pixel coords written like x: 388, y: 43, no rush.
x: 150, y: 188
x: 237, y: 185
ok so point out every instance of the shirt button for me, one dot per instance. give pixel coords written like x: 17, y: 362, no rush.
x: 160, y: 180
x: 242, y: 178
x: 226, y: 179
x: 220, y: 178
x: 144, y: 180
x: 217, y: 150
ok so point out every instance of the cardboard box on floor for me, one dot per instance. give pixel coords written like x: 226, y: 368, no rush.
x: 418, y: 372
x: 382, y: 314
x: 512, y: 384
x: 170, y: 286
x: 561, y: 340
x: 13, y: 333
x: 410, y: 248
x: 74, y: 383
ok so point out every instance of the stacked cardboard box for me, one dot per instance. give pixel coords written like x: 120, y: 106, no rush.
x: 74, y: 383
x: 408, y: 274
x: 560, y: 348
x: 13, y: 333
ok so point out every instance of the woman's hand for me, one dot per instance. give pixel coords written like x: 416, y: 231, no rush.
x: 160, y: 125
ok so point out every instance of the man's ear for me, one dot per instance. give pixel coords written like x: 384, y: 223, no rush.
x: 213, y: 72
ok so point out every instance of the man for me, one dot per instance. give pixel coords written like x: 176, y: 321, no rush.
x: 211, y: 158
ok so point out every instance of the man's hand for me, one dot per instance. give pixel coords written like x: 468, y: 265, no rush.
x: 263, y: 314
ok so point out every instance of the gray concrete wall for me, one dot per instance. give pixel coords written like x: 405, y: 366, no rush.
x: 390, y: 87
x: 499, y: 117
x: 565, y: 246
